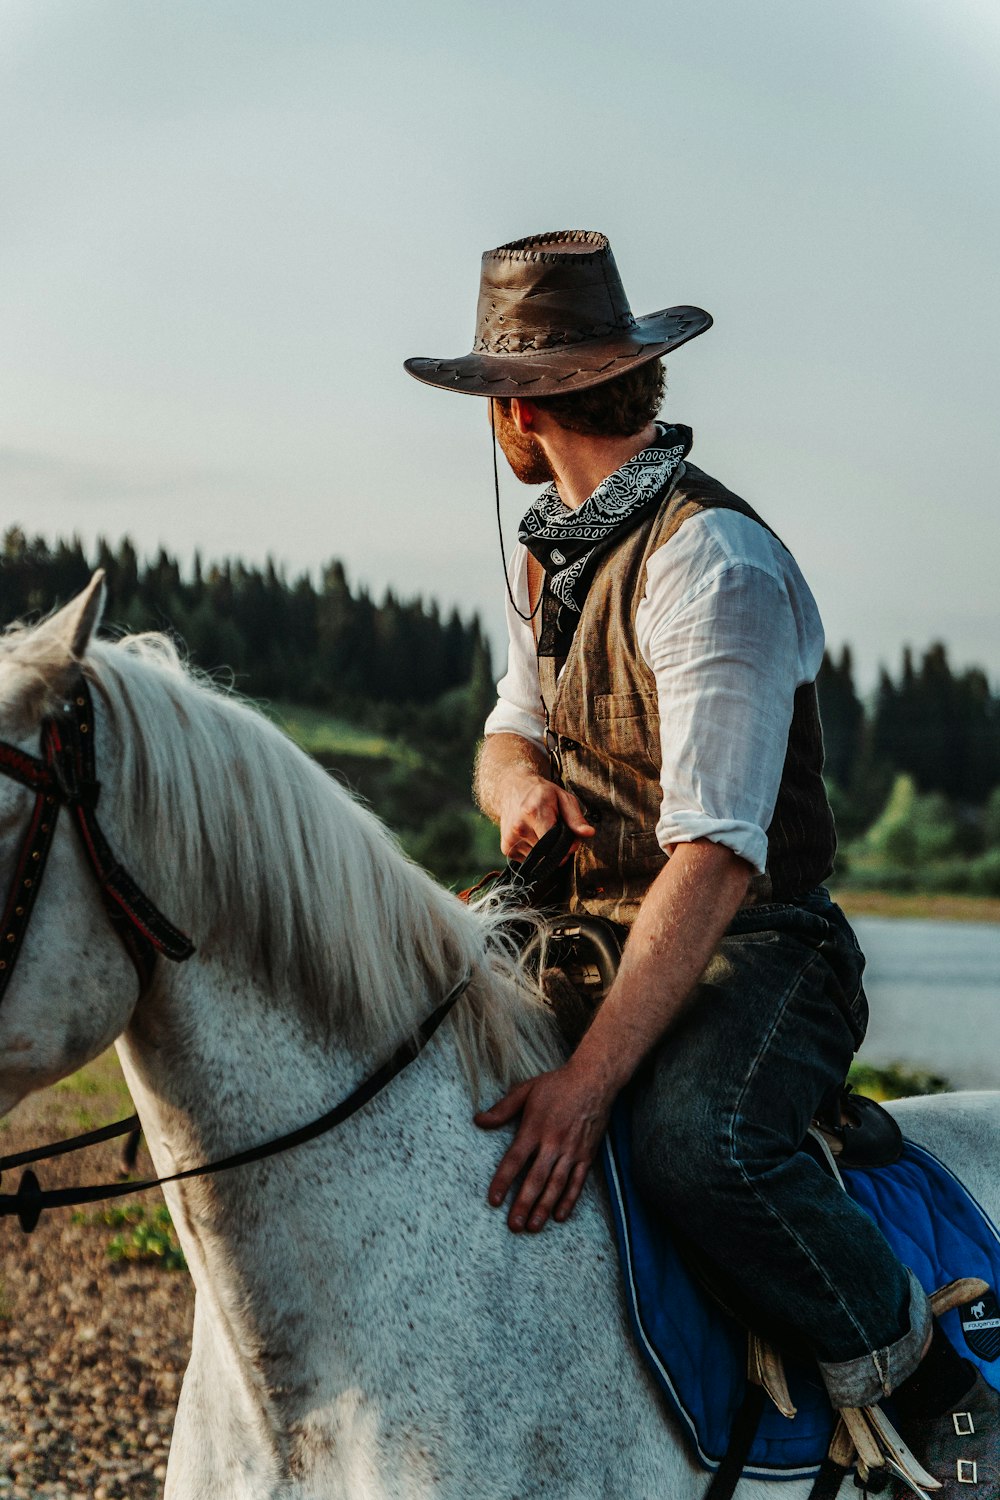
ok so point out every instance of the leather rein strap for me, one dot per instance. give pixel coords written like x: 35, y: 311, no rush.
x: 66, y: 777
x: 31, y: 1199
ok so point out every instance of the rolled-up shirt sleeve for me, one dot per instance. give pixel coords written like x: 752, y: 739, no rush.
x: 727, y: 657
x: 519, y: 707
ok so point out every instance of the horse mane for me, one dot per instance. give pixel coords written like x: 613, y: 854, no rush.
x: 253, y: 848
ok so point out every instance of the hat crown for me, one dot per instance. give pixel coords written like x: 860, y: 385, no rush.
x: 548, y: 291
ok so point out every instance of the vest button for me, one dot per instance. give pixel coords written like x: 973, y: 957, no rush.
x: 567, y: 744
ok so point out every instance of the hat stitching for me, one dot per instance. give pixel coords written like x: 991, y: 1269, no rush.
x: 520, y: 250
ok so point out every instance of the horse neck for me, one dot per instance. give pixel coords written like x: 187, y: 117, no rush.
x: 215, y: 1066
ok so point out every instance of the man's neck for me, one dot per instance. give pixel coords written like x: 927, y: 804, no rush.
x: 581, y: 462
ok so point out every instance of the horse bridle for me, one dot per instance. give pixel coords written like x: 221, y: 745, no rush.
x: 66, y: 776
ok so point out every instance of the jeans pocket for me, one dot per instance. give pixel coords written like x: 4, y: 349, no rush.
x: 846, y: 963
x: 819, y: 924
x: 857, y: 1012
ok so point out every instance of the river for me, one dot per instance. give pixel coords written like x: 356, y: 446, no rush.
x: 934, y: 989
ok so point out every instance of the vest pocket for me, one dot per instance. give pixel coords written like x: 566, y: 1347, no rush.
x: 629, y: 724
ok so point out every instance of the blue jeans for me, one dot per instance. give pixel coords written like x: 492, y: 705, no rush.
x: 721, y: 1109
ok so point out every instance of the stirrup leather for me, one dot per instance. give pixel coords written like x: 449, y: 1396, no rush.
x: 877, y: 1445
x: 766, y: 1368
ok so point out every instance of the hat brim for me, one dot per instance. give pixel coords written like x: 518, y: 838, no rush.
x: 568, y: 367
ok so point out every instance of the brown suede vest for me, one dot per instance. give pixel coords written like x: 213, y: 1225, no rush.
x: 605, y: 734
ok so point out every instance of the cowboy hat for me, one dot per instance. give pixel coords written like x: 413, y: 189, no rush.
x: 553, y: 317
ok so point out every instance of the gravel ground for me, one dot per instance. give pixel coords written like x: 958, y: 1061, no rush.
x: 91, y: 1351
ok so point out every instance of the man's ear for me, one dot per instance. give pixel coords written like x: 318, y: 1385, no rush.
x: 55, y: 649
x: 523, y: 414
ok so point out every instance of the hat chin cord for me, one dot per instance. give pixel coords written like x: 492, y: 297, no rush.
x: 503, y: 555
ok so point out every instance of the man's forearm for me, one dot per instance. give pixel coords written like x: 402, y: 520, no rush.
x: 504, y: 757
x: 684, y: 914
x: 564, y: 1113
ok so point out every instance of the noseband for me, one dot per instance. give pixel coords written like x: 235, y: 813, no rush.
x: 66, y: 776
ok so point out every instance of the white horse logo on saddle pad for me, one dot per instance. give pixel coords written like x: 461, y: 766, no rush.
x: 981, y: 1326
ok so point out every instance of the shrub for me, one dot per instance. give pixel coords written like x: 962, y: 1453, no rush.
x: 146, y: 1237
x: 445, y: 844
x: 984, y: 874
x: 991, y: 820
x: 912, y: 831
x: 895, y: 1081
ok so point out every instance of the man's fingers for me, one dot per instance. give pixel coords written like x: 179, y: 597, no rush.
x: 504, y: 1110
x: 573, y: 814
x: 518, y: 849
x: 553, y: 1147
x: 578, y: 1177
x: 550, y: 1197
x: 523, y: 835
x: 532, y: 1191
x: 512, y: 1164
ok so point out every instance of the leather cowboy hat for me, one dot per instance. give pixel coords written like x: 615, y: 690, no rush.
x: 553, y: 317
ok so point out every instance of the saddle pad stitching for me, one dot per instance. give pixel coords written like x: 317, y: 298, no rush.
x: 914, y: 1146
x: 751, y: 1471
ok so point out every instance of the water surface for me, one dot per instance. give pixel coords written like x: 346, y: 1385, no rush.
x: 934, y: 989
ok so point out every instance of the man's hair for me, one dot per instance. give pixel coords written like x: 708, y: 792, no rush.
x: 618, y: 408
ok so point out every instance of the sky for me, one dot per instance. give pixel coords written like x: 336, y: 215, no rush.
x: 226, y: 223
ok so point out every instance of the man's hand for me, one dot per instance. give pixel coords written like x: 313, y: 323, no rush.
x: 515, y: 789
x: 563, y: 1116
x: 530, y: 806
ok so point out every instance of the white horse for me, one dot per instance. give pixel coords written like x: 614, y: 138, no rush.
x: 365, y: 1325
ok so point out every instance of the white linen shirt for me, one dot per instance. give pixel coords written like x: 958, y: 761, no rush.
x: 729, y: 629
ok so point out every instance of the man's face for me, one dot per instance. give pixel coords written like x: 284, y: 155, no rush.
x: 522, y: 451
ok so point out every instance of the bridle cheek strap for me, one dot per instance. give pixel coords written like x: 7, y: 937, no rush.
x: 66, y: 777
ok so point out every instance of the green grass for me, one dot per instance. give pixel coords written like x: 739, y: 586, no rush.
x: 82, y: 1082
x: 325, y: 734
x: 103, y: 1077
x: 145, y: 1236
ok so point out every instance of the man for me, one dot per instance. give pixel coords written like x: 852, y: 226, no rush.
x: 660, y: 699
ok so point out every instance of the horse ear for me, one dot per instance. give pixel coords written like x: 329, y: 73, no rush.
x: 59, y: 644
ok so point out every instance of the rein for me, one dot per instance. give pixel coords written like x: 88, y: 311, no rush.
x: 31, y: 1199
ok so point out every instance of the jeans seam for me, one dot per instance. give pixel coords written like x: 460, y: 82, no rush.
x: 748, y: 1180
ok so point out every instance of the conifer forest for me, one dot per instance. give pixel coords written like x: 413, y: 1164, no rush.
x: 391, y: 695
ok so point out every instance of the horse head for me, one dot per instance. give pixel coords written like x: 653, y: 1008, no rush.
x: 74, y: 987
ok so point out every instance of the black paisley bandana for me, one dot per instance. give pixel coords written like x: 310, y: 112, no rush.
x: 570, y: 544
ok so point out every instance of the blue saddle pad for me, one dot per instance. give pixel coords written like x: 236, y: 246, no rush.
x: 698, y: 1354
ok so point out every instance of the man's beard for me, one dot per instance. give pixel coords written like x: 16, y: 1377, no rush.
x: 523, y: 452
